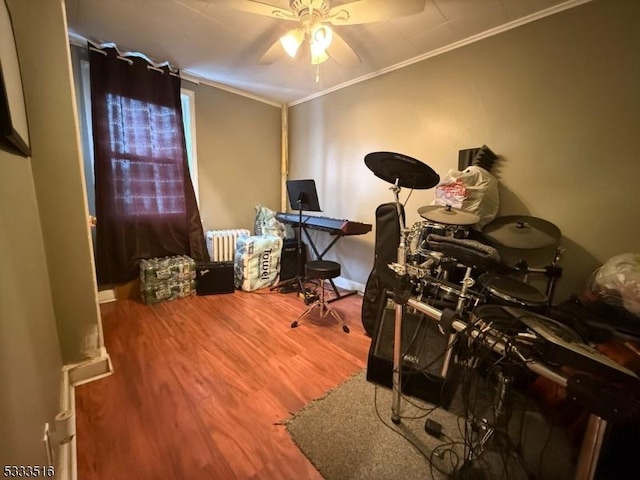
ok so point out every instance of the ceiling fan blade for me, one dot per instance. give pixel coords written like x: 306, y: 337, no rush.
x: 366, y: 11
x: 342, y: 53
x: 259, y: 8
x: 273, y: 54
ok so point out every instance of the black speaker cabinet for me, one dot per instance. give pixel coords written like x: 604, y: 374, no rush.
x: 423, y: 348
x: 214, y: 277
x: 289, y: 259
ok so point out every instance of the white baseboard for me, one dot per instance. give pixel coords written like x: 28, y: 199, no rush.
x: 349, y: 284
x: 66, y: 452
x: 72, y: 376
x: 92, y: 369
x: 106, y: 296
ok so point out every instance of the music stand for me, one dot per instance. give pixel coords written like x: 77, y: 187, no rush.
x: 302, y: 196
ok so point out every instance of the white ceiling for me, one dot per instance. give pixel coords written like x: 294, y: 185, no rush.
x: 204, y: 38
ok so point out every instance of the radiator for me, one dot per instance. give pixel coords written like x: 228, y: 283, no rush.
x: 222, y: 243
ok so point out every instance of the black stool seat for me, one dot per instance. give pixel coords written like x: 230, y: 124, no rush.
x: 322, y: 269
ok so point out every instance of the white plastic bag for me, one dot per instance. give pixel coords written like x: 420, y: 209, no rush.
x: 473, y: 190
x: 617, y: 282
x: 267, y: 224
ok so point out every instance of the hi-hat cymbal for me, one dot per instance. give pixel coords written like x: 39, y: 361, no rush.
x: 519, y: 231
x: 406, y: 171
x: 448, y: 215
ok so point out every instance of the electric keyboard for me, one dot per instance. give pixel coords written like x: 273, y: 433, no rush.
x: 334, y: 226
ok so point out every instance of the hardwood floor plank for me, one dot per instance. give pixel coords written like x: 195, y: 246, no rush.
x: 202, y: 384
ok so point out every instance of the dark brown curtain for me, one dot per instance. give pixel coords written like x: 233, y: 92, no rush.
x: 145, y: 202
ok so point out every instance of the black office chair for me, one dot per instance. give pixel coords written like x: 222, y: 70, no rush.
x: 321, y: 270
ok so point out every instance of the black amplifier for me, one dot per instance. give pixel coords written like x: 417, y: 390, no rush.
x: 214, y: 277
x: 289, y: 259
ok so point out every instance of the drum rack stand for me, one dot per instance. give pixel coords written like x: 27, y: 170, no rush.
x: 496, y: 427
x: 597, y: 426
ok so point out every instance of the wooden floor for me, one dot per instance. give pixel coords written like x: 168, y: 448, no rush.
x: 201, y: 384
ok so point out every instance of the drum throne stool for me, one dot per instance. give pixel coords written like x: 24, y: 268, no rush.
x: 321, y: 270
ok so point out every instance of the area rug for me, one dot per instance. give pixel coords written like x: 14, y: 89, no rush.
x: 348, y: 435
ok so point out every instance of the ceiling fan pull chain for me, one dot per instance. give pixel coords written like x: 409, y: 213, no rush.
x: 318, y: 73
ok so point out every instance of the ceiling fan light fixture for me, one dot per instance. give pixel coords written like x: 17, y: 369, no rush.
x: 322, y: 36
x: 291, y: 41
x: 318, y: 56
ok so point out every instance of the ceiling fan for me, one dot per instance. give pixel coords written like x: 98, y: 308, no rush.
x: 314, y: 18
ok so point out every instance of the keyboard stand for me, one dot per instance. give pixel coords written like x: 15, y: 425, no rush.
x: 319, y: 256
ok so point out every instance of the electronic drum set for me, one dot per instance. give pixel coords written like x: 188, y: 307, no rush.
x: 447, y: 271
x: 449, y: 264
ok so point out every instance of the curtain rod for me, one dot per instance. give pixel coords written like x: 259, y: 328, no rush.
x: 98, y: 50
x: 149, y: 67
x: 123, y: 56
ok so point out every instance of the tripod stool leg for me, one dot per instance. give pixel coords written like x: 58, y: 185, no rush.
x: 335, y: 314
x: 297, y: 321
x: 324, y: 308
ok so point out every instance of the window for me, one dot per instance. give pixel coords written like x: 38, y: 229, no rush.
x: 83, y: 87
x: 189, y: 119
x: 145, y: 161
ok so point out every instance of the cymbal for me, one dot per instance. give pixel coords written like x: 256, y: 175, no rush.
x: 395, y: 167
x: 448, y: 215
x: 520, y: 231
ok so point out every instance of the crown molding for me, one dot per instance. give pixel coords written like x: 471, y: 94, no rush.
x: 467, y: 41
x: 190, y: 77
x: 80, y: 41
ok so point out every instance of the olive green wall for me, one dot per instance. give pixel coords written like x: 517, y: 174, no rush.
x: 58, y: 174
x: 239, y: 149
x: 30, y: 356
x: 30, y: 360
x: 558, y: 99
